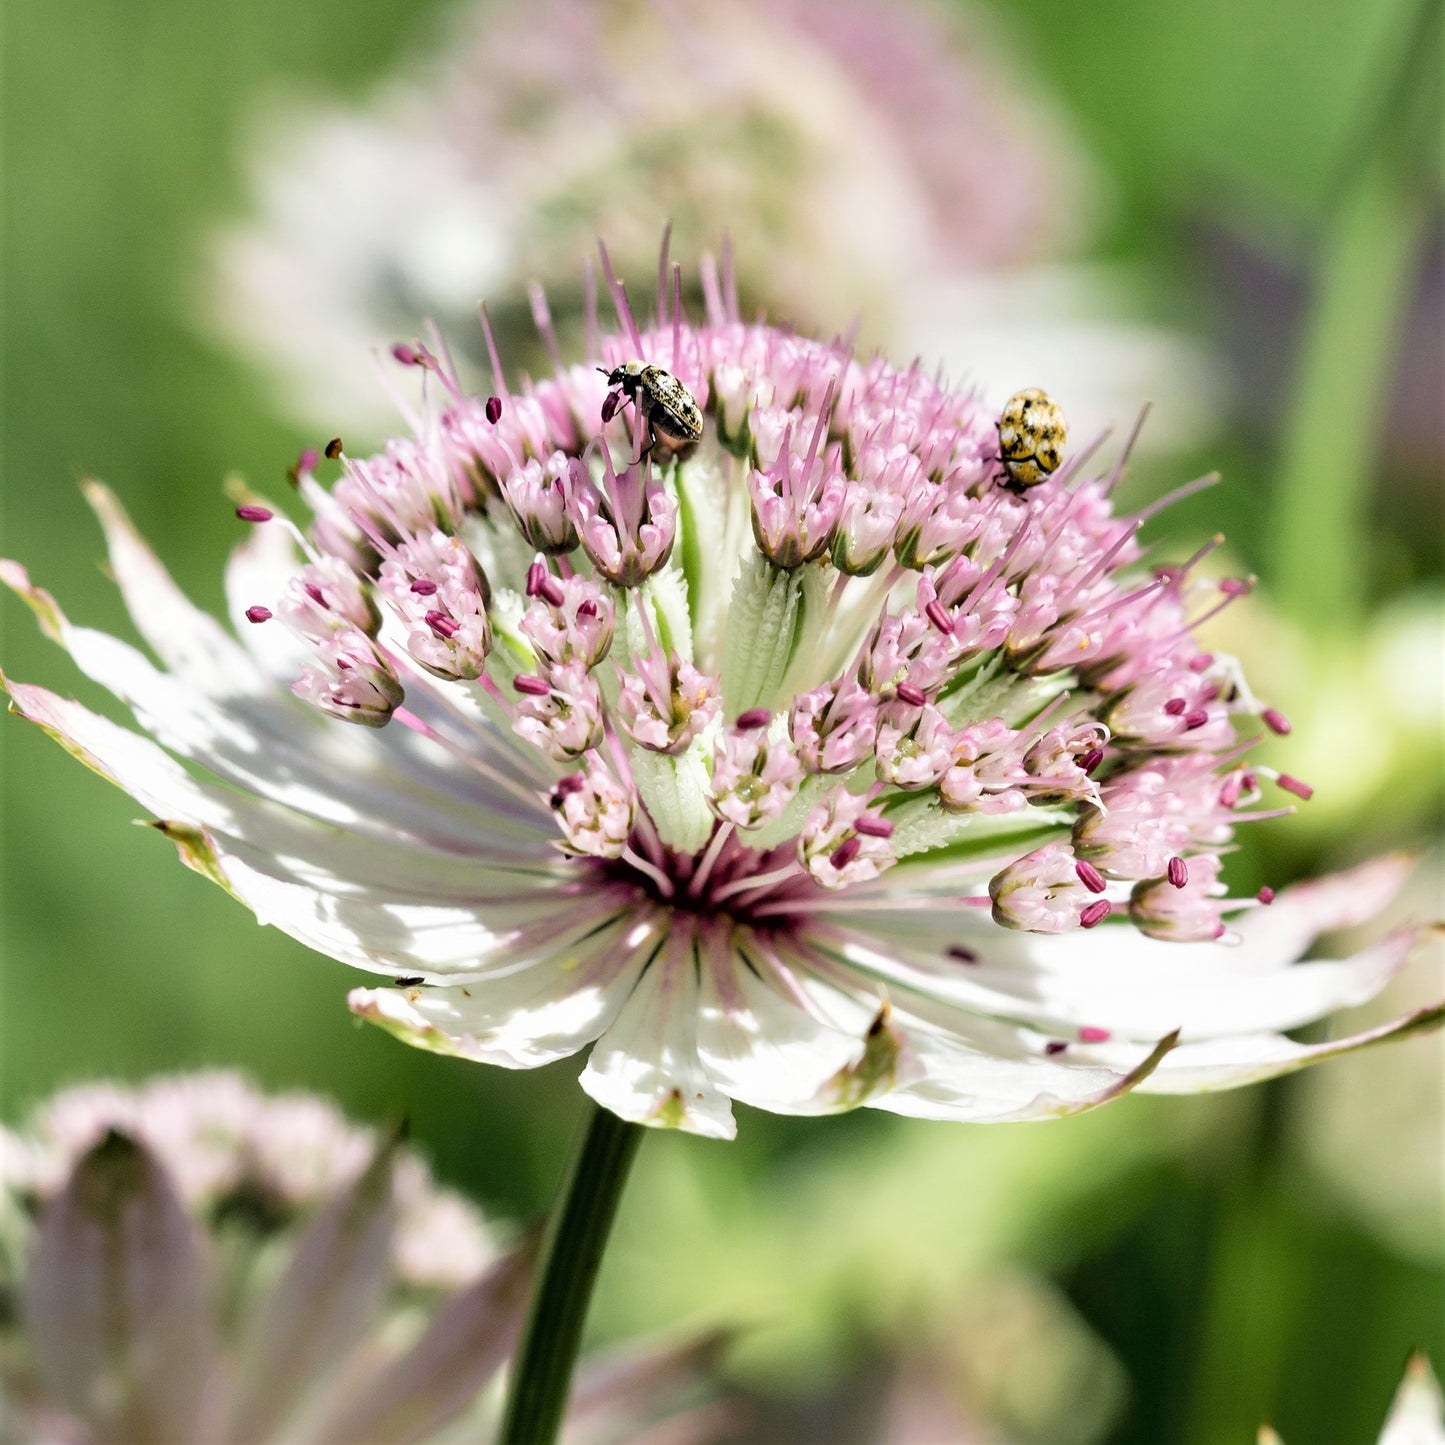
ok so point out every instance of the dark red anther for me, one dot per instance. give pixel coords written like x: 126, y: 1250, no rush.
x: 333, y: 449
x: 1095, y: 913
x: 1235, y: 586
x: 1275, y: 721
x: 1175, y: 706
x: 913, y: 696
x: 610, y: 403
x: 1091, y: 1035
x: 424, y: 587
x: 443, y: 625
x: 846, y: 852
x: 1209, y: 693
x: 258, y: 614
x: 315, y: 594
x: 752, y: 719
x: 572, y: 783
x: 1055, y: 1047
x: 1178, y: 872
x: 405, y: 354
x: 1195, y: 719
x: 254, y: 514
x: 533, y: 686
x: 871, y: 826
x: 1091, y: 760
x: 535, y: 573
x: 587, y: 608
x: 1265, y: 895
x: 962, y: 954
x: 1202, y: 663
x: 1090, y: 877
x: 1293, y: 785
x: 937, y: 614
x: 494, y: 409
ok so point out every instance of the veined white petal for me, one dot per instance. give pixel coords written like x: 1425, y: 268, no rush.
x: 1139, y: 1001
x: 527, y: 1018
x: 1247, y: 1059
x: 646, y: 1066
x: 263, y: 739
x: 1116, y: 978
x: 393, y: 907
x: 328, y: 769
x: 980, y: 1070
x: 761, y: 1047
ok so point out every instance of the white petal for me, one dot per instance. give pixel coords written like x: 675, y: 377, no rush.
x: 1142, y: 988
x: 255, y: 734
x: 762, y: 1047
x: 391, y: 906
x: 524, y: 1019
x: 646, y: 1067
x: 981, y: 1071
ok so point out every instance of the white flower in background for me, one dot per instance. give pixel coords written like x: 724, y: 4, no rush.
x: 193, y: 1260
x: 1417, y: 1413
x: 767, y: 767
x: 900, y: 163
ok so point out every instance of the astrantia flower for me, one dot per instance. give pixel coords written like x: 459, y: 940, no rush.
x: 194, y: 1261
x: 766, y: 795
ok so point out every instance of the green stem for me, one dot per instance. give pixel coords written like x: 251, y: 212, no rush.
x: 571, y: 1256
x: 1370, y: 260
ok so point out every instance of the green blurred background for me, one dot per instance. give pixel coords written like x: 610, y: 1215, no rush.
x: 1264, y: 177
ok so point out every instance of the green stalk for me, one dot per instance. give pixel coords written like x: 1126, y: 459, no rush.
x: 1370, y: 259
x: 571, y: 1256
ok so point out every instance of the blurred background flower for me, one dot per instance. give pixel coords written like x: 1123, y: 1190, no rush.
x: 193, y: 1260
x: 1198, y: 1241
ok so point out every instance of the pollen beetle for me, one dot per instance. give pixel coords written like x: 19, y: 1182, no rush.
x: 663, y: 402
x: 1030, y: 437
